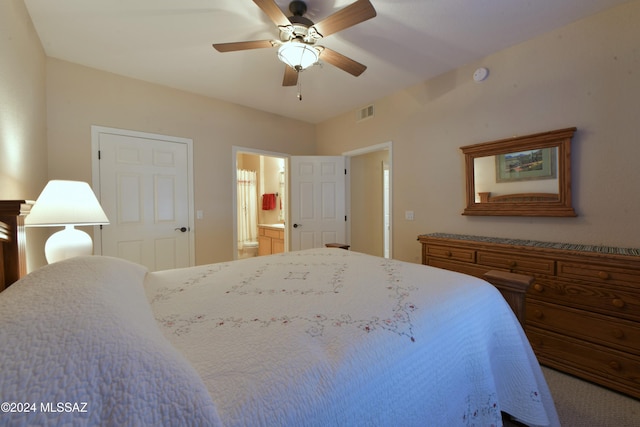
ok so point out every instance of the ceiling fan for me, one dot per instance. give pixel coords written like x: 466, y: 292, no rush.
x: 297, y: 45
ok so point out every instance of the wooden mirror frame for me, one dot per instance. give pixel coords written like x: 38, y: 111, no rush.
x: 523, y: 204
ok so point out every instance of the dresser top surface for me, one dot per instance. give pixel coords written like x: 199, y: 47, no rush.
x: 609, y: 250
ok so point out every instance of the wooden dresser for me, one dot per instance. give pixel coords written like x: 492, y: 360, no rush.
x: 582, y: 313
x: 13, y: 240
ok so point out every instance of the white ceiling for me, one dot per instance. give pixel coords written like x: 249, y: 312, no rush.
x: 169, y: 42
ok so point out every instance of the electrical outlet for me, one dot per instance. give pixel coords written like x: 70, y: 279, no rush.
x: 408, y: 215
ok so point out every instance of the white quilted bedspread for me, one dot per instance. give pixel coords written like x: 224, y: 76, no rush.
x: 330, y: 337
x: 79, y: 347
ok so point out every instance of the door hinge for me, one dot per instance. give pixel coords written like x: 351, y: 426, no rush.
x: 345, y: 171
x: 345, y: 218
x: 99, y: 155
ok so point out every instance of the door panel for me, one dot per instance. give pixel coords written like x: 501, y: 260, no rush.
x: 144, y: 190
x: 329, y: 192
x: 317, y: 201
x: 165, y: 198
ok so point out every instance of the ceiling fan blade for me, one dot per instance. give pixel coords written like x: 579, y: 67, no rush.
x: 346, y: 17
x: 290, y: 76
x: 231, y: 47
x: 344, y: 63
x: 271, y: 9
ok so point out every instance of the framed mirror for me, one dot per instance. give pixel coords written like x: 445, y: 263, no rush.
x: 520, y: 176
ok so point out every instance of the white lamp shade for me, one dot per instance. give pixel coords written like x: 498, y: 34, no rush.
x: 66, y: 202
x: 298, y: 55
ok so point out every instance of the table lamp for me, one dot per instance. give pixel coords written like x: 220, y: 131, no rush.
x: 66, y: 203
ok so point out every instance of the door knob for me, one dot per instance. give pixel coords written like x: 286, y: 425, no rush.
x: 297, y: 225
x: 182, y: 229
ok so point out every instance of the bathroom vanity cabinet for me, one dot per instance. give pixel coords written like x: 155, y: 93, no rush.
x: 270, y: 239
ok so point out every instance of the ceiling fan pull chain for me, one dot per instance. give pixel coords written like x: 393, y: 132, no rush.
x: 299, y: 87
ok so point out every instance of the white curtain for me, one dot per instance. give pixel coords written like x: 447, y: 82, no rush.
x: 247, y: 207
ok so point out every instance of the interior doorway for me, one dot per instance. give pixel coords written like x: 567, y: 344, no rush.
x: 259, y: 197
x: 370, y: 199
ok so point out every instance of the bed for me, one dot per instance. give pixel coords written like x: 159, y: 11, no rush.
x: 320, y: 337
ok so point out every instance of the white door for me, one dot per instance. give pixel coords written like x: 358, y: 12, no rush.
x: 317, y: 198
x: 144, y: 189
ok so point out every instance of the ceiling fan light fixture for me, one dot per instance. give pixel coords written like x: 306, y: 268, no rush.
x: 298, y: 55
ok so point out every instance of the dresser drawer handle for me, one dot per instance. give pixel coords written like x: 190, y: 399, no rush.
x: 538, y: 287
x: 614, y: 365
x: 604, y: 275
x: 448, y: 253
x: 513, y: 264
x: 538, y: 314
x: 618, y: 302
x: 618, y: 333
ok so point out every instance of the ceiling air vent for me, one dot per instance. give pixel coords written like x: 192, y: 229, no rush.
x: 365, y: 113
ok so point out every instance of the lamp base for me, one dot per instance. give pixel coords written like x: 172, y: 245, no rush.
x: 67, y: 243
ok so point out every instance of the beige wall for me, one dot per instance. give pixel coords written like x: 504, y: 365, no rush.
x: 23, y: 148
x: 78, y: 97
x: 586, y: 75
x: 366, y: 199
x: 270, y: 183
x: 23, y: 143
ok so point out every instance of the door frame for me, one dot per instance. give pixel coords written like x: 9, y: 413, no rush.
x: 95, y: 177
x: 235, y: 150
x: 385, y: 146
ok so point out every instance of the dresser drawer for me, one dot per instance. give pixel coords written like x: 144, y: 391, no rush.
x: 460, y: 267
x: 451, y: 252
x: 604, y: 299
x: 608, y: 331
x: 605, y: 274
x: 517, y: 263
x: 611, y: 368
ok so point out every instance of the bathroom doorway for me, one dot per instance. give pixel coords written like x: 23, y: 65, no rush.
x: 259, y: 197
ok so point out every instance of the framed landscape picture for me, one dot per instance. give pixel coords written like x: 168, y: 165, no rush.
x: 526, y: 165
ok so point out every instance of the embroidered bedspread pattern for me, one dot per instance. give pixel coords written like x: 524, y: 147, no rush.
x: 331, y: 337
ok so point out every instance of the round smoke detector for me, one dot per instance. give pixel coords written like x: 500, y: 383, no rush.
x: 480, y: 74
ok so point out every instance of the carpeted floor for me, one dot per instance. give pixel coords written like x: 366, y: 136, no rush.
x: 582, y: 404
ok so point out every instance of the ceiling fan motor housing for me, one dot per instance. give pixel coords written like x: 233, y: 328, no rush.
x: 301, y: 28
x: 298, y: 8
